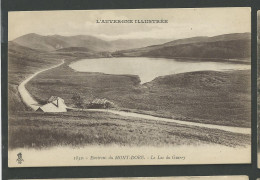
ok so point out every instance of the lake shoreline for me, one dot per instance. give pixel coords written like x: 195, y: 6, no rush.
x: 123, y: 82
x: 30, y: 102
x: 147, y: 68
x: 192, y: 59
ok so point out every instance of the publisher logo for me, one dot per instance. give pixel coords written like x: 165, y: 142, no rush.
x: 20, y: 158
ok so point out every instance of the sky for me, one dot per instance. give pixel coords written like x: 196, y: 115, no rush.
x: 182, y: 23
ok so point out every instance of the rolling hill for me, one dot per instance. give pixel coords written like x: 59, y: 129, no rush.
x: 228, y: 46
x: 123, y: 44
x: 56, y: 42
x: 22, y: 62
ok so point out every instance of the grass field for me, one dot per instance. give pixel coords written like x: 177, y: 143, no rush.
x: 221, y: 98
x: 39, y: 130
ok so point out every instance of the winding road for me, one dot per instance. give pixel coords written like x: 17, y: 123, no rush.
x: 189, y: 123
x: 25, y: 95
x: 32, y: 103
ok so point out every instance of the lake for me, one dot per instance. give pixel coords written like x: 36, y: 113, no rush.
x: 150, y: 68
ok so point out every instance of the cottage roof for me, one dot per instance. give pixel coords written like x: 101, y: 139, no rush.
x: 53, y: 98
x: 51, y: 107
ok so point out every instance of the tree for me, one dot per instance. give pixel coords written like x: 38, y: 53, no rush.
x: 78, y: 101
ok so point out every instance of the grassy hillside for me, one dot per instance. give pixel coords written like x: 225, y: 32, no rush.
x: 80, y: 128
x: 74, y: 49
x: 38, y: 42
x: 224, y: 37
x: 225, y: 96
x: 235, y: 49
x: 22, y: 62
x: 81, y: 52
x: 122, y: 44
x: 230, y: 46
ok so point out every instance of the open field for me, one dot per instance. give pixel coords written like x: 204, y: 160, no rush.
x: 221, y: 98
x: 39, y: 130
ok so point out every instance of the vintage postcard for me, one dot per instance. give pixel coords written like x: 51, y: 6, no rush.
x: 160, y: 178
x: 129, y: 87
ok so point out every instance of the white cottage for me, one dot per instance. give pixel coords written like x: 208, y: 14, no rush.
x: 54, y: 104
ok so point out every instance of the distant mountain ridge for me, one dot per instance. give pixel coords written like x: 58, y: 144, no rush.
x: 227, y: 46
x: 56, y: 42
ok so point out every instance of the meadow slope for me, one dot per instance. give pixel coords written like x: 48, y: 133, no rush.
x: 77, y: 129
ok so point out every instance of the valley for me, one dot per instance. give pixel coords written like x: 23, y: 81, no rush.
x: 208, y: 97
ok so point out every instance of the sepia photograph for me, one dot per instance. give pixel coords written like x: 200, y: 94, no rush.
x: 129, y: 87
x: 160, y: 178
